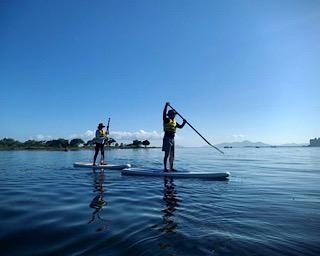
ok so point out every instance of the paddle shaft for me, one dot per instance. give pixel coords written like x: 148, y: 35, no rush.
x: 195, y: 130
x: 108, y: 125
x: 107, y: 130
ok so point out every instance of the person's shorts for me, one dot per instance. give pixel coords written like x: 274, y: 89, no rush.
x: 168, y: 145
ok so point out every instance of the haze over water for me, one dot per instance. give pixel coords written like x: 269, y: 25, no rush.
x: 269, y: 206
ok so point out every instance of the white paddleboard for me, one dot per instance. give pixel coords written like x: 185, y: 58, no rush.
x: 101, y: 166
x: 175, y: 174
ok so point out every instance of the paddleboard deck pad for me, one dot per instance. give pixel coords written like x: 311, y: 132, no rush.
x: 103, y: 166
x: 175, y: 174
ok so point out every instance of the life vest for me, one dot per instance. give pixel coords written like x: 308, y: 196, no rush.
x: 170, y: 126
x: 102, y: 133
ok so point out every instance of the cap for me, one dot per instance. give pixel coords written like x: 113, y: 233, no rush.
x: 171, y: 112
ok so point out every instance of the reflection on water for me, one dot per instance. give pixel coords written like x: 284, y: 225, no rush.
x: 98, y: 201
x: 170, y: 200
x: 269, y: 206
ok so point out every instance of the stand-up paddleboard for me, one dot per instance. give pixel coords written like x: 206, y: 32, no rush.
x: 101, y: 166
x: 175, y: 174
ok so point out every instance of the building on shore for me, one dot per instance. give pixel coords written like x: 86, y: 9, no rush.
x: 315, y: 142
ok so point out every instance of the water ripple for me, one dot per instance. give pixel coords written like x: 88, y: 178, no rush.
x: 270, y: 205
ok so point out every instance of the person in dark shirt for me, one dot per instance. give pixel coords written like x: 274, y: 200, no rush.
x: 169, y: 127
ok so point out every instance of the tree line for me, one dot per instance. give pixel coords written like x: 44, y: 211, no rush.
x: 9, y: 143
x: 315, y: 142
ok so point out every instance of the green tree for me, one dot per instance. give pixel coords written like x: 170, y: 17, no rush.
x: 145, y: 143
x: 34, y: 144
x: 136, y: 143
x: 76, y: 142
x: 59, y: 143
x: 110, y: 141
x: 90, y: 142
x: 10, y: 143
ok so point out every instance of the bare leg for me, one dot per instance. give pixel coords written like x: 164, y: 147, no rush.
x: 95, y: 154
x: 102, y: 154
x: 165, y: 159
x: 171, y: 159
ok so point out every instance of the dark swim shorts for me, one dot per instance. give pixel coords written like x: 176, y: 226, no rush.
x: 168, y: 144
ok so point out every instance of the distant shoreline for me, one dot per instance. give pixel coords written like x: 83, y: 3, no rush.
x: 67, y: 149
x: 113, y: 148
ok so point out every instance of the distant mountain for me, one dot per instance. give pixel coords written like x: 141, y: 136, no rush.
x: 293, y: 145
x: 245, y: 143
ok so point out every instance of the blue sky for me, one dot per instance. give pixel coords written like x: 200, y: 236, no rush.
x: 235, y: 69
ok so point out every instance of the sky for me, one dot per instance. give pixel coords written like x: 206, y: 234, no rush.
x: 236, y: 70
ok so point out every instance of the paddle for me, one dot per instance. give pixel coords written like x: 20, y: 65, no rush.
x: 107, y: 131
x: 108, y: 125
x: 195, y: 129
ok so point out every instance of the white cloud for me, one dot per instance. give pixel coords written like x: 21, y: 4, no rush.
x: 41, y: 137
x: 139, y: 135
x: 239, y: 136
x: 87, y: 135
x: 117, y: 135
x: 123, y: 135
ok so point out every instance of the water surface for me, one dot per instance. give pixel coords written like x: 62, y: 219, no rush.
x: 269, y: 206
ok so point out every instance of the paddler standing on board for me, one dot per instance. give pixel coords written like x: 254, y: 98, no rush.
x: 100, y: 139
x: 169, y: 127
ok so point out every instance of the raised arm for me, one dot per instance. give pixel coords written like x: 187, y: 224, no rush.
x: 183, y: 124
x: 164, y: 116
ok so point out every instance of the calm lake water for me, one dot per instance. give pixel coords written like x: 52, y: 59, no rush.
x: 270, y: 205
